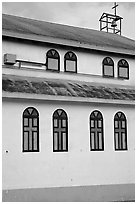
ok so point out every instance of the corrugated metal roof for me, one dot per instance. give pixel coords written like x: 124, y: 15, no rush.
x: 36, y: 29
x: 65, y: 88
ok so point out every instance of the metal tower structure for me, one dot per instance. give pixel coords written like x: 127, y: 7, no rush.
x: 111, y: 22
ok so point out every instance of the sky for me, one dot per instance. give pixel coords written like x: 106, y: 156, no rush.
x: 81, y: 14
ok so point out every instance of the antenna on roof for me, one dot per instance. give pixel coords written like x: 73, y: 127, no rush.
x: 111, y: 22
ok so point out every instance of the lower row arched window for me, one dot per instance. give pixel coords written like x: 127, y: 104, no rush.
x: 96, y: 131
x: 30, y: 130
x: 60, y: 131
x: 120, y: 131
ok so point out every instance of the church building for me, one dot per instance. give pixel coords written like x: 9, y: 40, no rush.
x: 68, y: 113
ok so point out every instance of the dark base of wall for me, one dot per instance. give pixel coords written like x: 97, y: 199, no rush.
x: 100, y: 193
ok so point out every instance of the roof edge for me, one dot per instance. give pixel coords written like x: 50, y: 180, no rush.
x: 65, y: 42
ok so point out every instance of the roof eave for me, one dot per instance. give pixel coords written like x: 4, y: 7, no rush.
x: 65, y: 42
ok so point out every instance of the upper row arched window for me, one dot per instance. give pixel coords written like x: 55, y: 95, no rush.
x: 70, y: 62
x: 108, y: 68
x: 53, y: 61
x: 123, y: 69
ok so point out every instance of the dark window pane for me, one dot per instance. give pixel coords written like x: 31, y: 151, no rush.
x: 92, y: 141
x: 60, y: 112
x: 26, y: 113
x: 35, y: 122
x: 100, y: 140
x: 63, y: 123
x: 55, y: 123
x: 59, y: 135
x: 64, y: 141
x: 123, y: 124
x: 26, y: 141
x: 116, y: 140
x: 30, y: 140
x: 34, y: 113
x: 95, y: 113
x: 35, y: 141
x: 30, y: 110
x: 119, y: 114
x: 96, y: 140
x: 124, y: 140
x: 92, y: 123
x: 26, y: 122
x: 116, y: 124
x: 55, y: 141
x: 99, y: 123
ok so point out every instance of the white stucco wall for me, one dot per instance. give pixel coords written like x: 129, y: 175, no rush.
x: 88, y: 62
x: 78, y: 166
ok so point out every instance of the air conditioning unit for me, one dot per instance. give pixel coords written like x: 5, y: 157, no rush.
x: 9, y: 59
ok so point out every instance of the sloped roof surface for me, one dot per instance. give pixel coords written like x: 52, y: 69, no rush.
x: 86, y: 36
x: 65, y: 88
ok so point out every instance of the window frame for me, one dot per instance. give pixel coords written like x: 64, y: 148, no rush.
x: 119, y: 119
x: 52, y: 57
x: 60, y: 118
x: 30, y: 117
x: 122, y: 66
x: 70, y: 59
x: 102, y: 131
x: 103, y: 68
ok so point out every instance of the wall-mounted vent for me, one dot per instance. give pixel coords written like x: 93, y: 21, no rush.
x: 9, y: 59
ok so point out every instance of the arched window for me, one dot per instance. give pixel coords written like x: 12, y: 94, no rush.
x: 120, y: 131
x: 30, y: 130
x: 123, y: 69
x: 60, y: 131
x: 53, y: 60
x: 70, y: 62
x: 96, y: 131
x: 108, y: 67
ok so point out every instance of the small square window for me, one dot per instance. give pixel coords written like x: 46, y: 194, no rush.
x: 70, y: 66
x: 52, y: 64
x: 108, y: 71
x: 123, y: 72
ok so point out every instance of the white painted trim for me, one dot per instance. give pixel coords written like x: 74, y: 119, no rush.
x: 65, y: 42
x: 28, y: 96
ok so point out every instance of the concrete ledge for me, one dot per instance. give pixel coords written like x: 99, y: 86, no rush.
x: 42, y: 97
x: 98, y: 193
